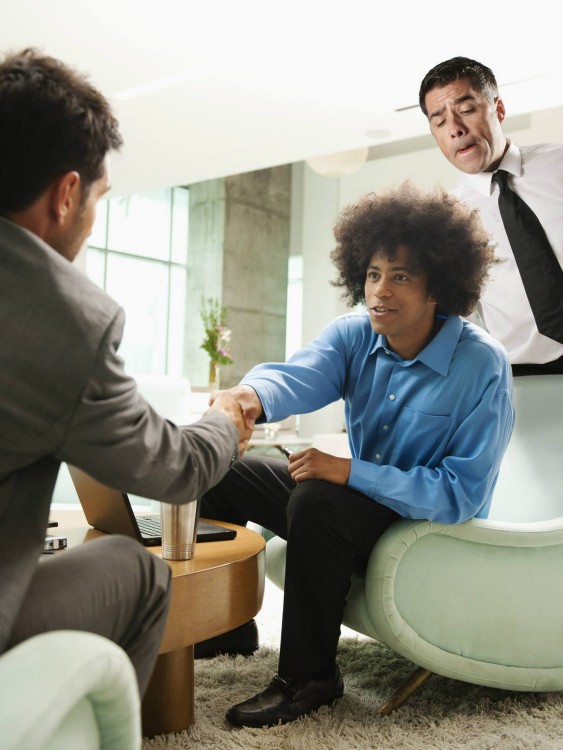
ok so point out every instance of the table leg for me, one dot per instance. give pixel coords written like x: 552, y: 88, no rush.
x: 168, y: 705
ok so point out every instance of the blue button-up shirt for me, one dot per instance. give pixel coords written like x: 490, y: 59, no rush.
x: 426, y: 435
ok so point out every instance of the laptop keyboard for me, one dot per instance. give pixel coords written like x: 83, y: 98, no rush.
x: 149, y: 525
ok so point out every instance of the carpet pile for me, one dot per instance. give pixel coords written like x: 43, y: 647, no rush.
x: 443, y: 714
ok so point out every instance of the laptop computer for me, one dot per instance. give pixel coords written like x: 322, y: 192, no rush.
x: 111, y: 511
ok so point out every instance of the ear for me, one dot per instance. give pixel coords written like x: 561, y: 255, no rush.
x: 499, y: 107
x: 65, y: 196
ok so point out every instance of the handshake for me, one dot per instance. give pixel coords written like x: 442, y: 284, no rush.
x: 242, y: 406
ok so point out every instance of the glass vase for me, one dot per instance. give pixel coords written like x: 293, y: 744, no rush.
x: 213, y: 375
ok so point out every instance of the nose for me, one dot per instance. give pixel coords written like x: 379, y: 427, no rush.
x: 455, y: 125
x: 382, y: 288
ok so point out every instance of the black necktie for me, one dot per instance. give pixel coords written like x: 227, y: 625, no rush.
x: 541, y: 273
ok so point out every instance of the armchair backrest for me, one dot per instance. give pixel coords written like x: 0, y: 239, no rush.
x: 530, y: 483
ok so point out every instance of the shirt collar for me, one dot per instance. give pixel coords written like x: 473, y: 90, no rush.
x: 511, y: 163
x: 439, y: 352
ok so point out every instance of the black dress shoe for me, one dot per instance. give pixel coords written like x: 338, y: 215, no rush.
x: 283, y: 701
x: 242, y: 640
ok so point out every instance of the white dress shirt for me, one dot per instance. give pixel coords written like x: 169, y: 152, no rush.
x: 537, y: 176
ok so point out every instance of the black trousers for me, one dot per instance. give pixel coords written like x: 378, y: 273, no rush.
x: 330, y: 532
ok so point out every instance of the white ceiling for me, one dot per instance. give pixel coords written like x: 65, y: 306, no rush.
x: 232, y: 86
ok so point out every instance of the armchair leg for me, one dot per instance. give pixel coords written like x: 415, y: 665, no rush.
x: 404, y: 692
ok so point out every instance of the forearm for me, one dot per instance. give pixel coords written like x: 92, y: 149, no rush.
x: 312, y: 377
x: 436, y: 494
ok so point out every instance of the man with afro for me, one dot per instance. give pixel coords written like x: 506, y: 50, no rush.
x: 428, y: 406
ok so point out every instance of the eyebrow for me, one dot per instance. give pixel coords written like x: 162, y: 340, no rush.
x: 459, y: 100
x: 393, y: 268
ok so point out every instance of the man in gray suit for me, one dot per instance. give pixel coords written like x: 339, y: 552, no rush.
x: 64, y: 395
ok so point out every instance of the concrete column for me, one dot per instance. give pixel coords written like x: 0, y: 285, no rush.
x: 238, y: 252
x: 204, y: 270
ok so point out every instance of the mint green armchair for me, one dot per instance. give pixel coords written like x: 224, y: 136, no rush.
x: 481, y: 601
x: 68, y: 689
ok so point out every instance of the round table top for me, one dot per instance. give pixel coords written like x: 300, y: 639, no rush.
x: 218, y: 590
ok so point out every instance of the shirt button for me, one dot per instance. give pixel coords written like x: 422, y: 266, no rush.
x: 391, y: 397
x: 385, y: 426
x: 378, y: 456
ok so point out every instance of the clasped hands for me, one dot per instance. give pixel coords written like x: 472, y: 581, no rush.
x: 243, y: 407
x: 226, y: 403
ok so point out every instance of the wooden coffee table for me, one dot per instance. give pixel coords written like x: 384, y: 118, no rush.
x: 220, y: 589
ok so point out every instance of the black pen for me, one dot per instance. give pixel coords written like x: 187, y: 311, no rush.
x: 286, y: 451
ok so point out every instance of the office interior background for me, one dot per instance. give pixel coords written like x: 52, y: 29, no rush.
x: 228, y: 111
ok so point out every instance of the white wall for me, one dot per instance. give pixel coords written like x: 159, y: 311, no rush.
x: 323, y: 197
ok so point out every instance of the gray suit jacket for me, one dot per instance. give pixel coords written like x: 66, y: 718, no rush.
x: 65, y: 397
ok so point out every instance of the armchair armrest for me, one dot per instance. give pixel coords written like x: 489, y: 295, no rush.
x: 44, y: 679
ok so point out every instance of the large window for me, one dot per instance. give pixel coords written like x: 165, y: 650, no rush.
x: 138, y: 252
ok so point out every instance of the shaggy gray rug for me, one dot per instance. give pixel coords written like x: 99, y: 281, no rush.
x: 442, y: 714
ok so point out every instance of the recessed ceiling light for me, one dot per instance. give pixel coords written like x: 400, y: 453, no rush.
x: 342, y: 163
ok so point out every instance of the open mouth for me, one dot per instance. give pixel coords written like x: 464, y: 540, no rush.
x: 380, y: 310
x: 465, y: 150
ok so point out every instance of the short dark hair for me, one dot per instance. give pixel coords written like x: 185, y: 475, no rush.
x: 444, y: 238
x: 440, y: 75
x: 52, y: 121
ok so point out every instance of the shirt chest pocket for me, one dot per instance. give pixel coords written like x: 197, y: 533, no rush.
x: 423, y: 437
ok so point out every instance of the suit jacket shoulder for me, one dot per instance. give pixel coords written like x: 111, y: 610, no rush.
x: 58, y: 319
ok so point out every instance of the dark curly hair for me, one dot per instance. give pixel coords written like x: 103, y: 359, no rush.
x: 440, y: 75
x: 444, y: 238
x: 52, y: 121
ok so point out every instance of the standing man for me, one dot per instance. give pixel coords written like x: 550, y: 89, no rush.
x: 519, y: 194
x: 428, y: 411
x: 64, y: 395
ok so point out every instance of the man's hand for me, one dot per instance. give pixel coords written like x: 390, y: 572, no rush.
x: 223, y: 401
x: 314, y: 464
x: 248, y: 400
